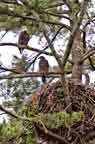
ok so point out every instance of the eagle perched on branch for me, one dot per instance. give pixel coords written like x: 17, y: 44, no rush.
x: 23, y: 40
x: 43, y: 67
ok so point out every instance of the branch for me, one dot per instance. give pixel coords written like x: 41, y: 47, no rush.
x: 11, y: 70
x: 28, y: 48
x: 87, y: 55
x: 6, y: 31
x: 73, y: 34
x: 37, y: 50
x: 52, y: 48
x: 34, y: 74
x: 92, y: 19
x: 84, y: 49
x: 51, y: 134
x: 8, y: 112
x: 14, y: 114
x: 2, y: 113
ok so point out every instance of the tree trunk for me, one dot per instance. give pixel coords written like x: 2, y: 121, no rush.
x: 76, y: 57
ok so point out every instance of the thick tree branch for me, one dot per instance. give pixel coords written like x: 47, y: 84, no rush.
x: 28, y: 48
x: 33, y: 74
x: 51, y: 134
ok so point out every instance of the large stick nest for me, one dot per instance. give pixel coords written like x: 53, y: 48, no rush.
x: 81, y: 98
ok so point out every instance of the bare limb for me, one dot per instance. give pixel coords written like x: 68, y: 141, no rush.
x: 2, y: 113
x: 11, y: 70
x: 84, y: 50
x: 92, y: 19
x: 2, y: 108
x: 28, y: 48
x: 37, y: 50
x: 87, y: 55
x: 4, y: 34
x: 52, y: 48
x: 53, y: 135
x: 8, y: 112
x: 33, y: 74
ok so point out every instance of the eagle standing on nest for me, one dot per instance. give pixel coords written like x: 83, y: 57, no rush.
x: 43, y: 67
x: 23, y: 40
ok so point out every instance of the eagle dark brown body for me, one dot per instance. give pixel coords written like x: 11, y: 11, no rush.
x: 23, y: 40
x: 43, y: 67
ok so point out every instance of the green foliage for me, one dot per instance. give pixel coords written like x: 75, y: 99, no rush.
x: 75, y: 9
x: 8, y: 131
x: 38, y: 4
x: 14, y: 15
x: 15, y: 132
x: 30, y: 139
x: 60, y: 119
x: 22, y: 132
x: 55, y: 119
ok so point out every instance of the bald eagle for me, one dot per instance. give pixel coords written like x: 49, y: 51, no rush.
x: 43, y: 67
x: 23, y: 40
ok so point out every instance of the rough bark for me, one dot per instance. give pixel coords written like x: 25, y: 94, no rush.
x: 76, y: 57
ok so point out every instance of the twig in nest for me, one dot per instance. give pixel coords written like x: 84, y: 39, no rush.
x: 53, y: 135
